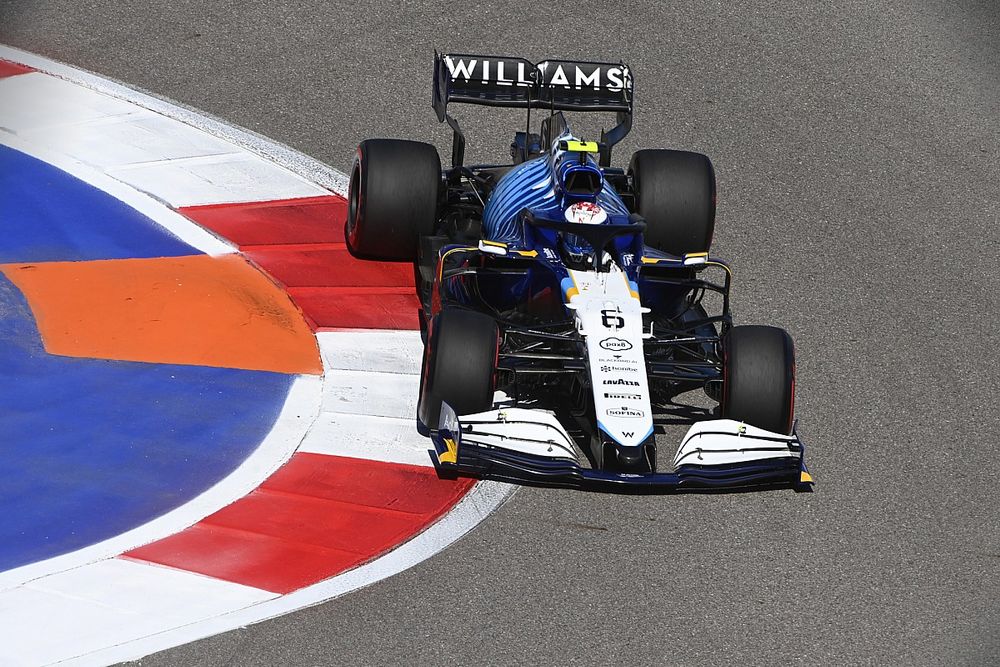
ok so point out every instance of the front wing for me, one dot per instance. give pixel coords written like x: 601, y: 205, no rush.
x: 531, y: 446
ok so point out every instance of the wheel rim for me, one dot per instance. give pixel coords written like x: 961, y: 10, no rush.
x: 354, y: 205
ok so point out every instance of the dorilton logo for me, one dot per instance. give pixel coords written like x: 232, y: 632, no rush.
x: 626, y: 397
x: 626, y: 383
x: 618, y: 369
x: 628, y: 413
x: 615, y: 344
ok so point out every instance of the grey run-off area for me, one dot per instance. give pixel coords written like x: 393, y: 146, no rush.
x: 857, y: 148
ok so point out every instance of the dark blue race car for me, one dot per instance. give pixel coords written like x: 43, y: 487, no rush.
x: 567, y: 304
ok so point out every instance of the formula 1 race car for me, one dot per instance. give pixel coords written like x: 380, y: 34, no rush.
x: 565, y: 303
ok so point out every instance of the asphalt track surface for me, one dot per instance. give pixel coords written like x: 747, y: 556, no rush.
x: 858, y: 158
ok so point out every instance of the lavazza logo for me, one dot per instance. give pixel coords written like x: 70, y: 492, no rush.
x: 629, y: 413
x: 626, y: 383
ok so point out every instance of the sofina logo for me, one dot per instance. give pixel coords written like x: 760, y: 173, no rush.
x: 628, y: 413
x: 615, y: 344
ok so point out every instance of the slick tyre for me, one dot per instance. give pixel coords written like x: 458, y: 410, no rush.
x: 392, y: 200
x: 675, y: 193
x: 759, y: 377
x: 459, y: 364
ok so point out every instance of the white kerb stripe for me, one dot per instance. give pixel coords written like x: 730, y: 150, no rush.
x: 89, y: 608
x: 175, y: 223
x: 48, y: 111
x: 386, y: 351
x: 299, y: 163
x: 388, y: 439
x: 368, y: 393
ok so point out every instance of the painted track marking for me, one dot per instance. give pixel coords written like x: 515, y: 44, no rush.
x: 318, y: 295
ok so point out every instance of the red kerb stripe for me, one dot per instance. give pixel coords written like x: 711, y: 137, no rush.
x: 8, y: 68
x: 315, y: 518
x: 300, y: 243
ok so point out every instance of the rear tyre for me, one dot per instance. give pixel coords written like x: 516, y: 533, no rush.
x: 392, y: 199
x: 459, y: 364
x: 675, y: 193
x: 759, y: 377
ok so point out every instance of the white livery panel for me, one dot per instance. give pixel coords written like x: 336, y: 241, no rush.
x: 609, y: 316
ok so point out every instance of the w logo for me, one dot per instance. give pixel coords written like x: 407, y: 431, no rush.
x: 628, y: 434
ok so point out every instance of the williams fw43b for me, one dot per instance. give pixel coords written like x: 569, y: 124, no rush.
x: 566, y: 303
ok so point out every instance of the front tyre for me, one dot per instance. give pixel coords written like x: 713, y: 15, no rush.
x: 675, y: 193
x: 759, y: 377
x: 459, y: 364
x: 392, y: 200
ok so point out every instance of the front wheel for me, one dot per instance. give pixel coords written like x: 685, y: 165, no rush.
x: 459, y: 364
x: 759, y: 377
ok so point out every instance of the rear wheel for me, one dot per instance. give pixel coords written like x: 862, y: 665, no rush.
x: 675, y: 193
x: 759, y: 384
x: 459, y: 364
x: 393, y: 198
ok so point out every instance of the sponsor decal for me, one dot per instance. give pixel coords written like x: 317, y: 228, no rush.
x: 628, y: 258
x: 627, y: 397
x: 628, y: 434
x: 521, y: 73
x: 611, y: 368
x: 612, y: 319
x: 582, y: 75
x: 615, y: 344
x: 586, y: 213
x: 550, y: 253
x: 620, y: 382
x: 626, y: 412
x: 502, y: 72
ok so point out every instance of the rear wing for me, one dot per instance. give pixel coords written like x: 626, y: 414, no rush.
x: 557, y: 85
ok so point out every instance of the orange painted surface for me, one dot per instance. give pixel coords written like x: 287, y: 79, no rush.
x: 198, y: 310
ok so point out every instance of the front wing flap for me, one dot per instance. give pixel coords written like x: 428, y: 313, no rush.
x: 523, y: 445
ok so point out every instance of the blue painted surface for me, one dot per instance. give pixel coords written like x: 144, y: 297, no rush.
x: 48, y: 216
x: 92, y: 448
